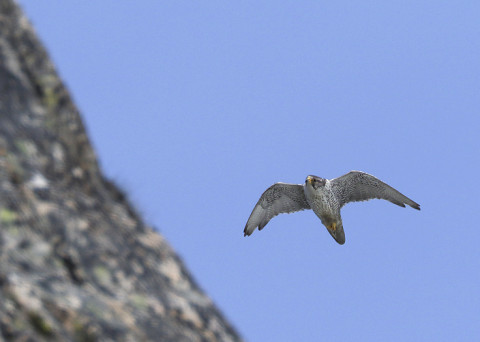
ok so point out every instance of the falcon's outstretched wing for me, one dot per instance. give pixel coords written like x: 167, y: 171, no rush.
x: 360, y: 186
x: 277, y: 199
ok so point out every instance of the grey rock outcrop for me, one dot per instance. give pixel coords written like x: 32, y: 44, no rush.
x: 77, y: 262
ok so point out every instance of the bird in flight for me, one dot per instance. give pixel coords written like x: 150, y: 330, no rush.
x: 325, y: 197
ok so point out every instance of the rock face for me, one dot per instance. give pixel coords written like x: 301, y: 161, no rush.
x: 77, y: 263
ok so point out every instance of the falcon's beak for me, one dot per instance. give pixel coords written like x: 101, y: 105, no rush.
x: 309, y: 179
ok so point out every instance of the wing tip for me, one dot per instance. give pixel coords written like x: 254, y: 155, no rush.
x: 415, y: 206
x: 412, y: 204
x: 248, y: 230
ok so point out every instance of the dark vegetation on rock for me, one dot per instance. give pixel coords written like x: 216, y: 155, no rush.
x: 77, y: 263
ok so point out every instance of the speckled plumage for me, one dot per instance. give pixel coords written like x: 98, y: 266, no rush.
x: 325, y: 197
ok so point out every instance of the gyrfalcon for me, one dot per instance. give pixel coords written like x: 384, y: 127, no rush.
x: 325, y: 197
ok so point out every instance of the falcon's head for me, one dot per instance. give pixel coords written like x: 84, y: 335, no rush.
x: 315, y: 181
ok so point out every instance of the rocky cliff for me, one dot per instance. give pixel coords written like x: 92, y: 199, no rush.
x: 77, y: 262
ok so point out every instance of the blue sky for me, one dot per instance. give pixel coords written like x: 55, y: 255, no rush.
x: 196, y: 108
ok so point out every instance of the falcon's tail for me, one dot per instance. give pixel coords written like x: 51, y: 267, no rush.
x: 336, y: 231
